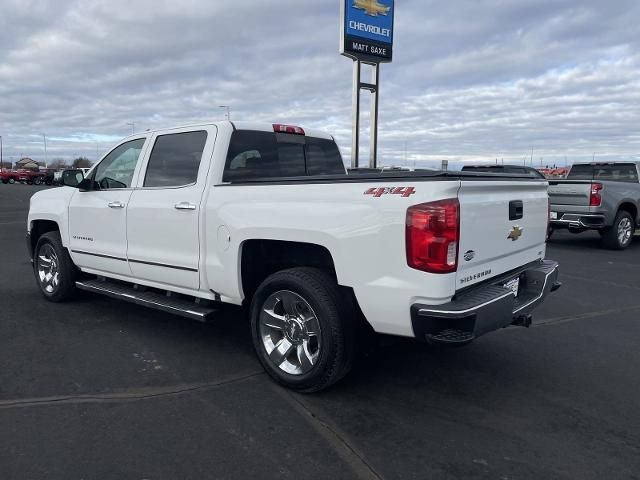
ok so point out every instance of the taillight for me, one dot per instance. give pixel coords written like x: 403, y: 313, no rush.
x: 595, y: 200
x: 279, y: 128
x: 432, y: 232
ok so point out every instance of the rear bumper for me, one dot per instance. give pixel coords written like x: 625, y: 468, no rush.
x: 485, y: 308
x: 578, y: 220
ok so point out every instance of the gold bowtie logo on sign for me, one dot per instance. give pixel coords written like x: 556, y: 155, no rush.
x: 371, y: 7
x: 515, y: 234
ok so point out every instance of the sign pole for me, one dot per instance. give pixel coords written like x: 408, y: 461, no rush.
x: 373, y: 139
x: 355, y: 115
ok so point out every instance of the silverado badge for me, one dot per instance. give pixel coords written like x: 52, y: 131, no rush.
x: 515, y: 234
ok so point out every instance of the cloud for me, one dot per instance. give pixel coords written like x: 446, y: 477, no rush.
x: 471, y: 79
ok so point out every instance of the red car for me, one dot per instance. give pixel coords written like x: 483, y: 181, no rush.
x: 9, y: 176
x: 31, y: 177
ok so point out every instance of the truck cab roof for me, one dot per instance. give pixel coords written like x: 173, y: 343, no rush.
x: 256, y: 126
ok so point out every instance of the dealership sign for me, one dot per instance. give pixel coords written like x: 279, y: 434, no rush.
x: 367, y: 30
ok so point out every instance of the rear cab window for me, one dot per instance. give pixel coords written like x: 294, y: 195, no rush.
x: 615, y: 172
x: 257, y: 155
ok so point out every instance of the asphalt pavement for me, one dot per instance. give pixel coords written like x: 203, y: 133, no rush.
x: 98, y: 389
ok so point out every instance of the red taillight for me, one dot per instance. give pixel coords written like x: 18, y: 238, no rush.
x: 432, y: 233
x: 280, y: 128
x: 595, y: 200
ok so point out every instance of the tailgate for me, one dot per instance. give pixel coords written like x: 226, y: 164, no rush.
x: 490, y: 242
x: 570, y: 192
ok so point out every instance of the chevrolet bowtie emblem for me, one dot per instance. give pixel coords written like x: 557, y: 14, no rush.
x: 515, y: 234
x: 371, y: 7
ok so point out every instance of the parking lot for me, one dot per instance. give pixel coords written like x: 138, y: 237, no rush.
x: 102, y: 389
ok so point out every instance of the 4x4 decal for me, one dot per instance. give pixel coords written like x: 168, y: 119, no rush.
x: 378, y: 192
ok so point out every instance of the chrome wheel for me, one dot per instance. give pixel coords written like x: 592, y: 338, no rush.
x: 290, y: 332
x: 625, y: 230
x: 48, y: 268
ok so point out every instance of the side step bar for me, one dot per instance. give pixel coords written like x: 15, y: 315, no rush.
x: 170, y: 304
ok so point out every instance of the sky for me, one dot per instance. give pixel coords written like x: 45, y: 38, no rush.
x: 521, y: 81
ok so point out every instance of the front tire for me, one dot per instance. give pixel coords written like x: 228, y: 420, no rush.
x: 620, y: 234
x: 54, y: 270
x: 302, y: 329
x: 12, y: 181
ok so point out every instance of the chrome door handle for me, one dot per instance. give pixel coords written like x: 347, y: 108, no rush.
x: 116, y: 205
x: 185, y: 206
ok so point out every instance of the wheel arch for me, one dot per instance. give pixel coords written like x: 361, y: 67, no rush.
x: 39, y: 227
x: 630, y: 207
x: 260, y: 258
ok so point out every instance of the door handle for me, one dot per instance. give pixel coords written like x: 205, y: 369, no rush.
x: 116, y: 205
x: 185, y: 206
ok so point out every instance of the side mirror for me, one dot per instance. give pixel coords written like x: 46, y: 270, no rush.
x: 72, y: 178
x: 85, y: 185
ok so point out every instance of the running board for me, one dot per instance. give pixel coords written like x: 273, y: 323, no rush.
x: 152, y: 299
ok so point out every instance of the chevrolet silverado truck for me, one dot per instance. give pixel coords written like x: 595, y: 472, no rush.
x: 598, y: 196
x: 190, y: 219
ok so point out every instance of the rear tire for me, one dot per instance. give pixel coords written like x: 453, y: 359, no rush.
x: 53, y: 268
x: 302, y: 329
x: 12, y: 181
x: 620, y: 234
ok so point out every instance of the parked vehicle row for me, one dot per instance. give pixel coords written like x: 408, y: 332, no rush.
x: 190, y: 219
x: 32, y: 177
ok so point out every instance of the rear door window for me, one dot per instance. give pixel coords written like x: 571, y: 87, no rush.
x: 175, y: 159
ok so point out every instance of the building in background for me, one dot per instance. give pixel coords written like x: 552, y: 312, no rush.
x: 27, y: 164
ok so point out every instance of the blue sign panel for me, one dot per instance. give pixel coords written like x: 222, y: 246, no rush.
x: 367, y: 29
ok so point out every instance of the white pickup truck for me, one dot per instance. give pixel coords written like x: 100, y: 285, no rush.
x: 189, y: 219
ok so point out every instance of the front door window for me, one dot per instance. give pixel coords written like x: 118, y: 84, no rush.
x: 116, y: 169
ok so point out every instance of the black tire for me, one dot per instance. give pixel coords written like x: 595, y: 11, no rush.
x: 334, y: 316
x: 37, y: 180
x: 610, y: 236
x: 12, y: 181
x: 65, y: 288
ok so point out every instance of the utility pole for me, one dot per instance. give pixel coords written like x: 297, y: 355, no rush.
x: 44, y: 137
x: 405, y: 154
x: 133, y: 127
x: 228, y: 114
x: 1, y: 164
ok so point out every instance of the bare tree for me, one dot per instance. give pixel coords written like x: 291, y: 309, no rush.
x: 81, y: 162
x: 58, y: 163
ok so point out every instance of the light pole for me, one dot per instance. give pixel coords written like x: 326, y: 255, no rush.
x: 133, y: 127
x: 228, y: 111
x: 1, y: 164
x: 44, y: 137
